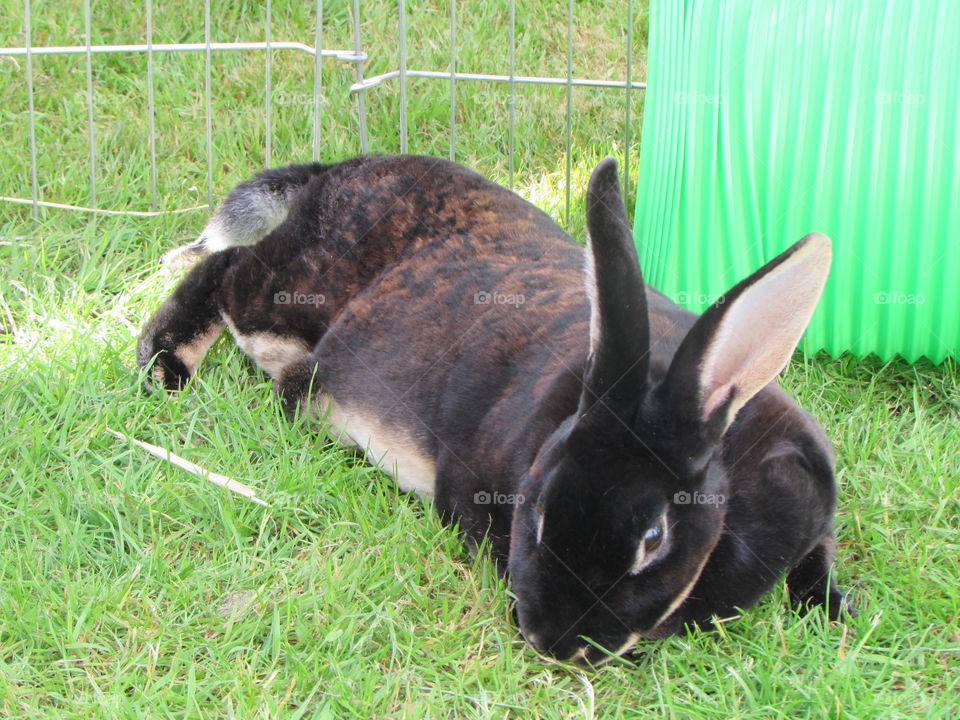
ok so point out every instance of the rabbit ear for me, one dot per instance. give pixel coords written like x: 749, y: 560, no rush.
x: 619, y: 330
x: 747, y: 337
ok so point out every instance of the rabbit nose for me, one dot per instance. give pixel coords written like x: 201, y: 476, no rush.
x: 545, y: 648
x: 537, y: 642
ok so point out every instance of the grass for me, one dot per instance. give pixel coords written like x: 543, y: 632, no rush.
x: 131, y: 589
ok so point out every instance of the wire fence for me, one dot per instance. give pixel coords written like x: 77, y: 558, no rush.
x: 358, y: 56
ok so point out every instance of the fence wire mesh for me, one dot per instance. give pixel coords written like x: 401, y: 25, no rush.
x: 159, y: 115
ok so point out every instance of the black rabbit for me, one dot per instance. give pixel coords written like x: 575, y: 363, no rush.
x: 633, y: 466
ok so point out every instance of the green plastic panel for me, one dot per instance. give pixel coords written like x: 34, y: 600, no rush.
x: 766, y: 119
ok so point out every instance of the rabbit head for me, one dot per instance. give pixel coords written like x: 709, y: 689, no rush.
x: 608, y: 543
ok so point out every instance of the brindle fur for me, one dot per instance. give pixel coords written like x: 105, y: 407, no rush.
x: 401, y: 248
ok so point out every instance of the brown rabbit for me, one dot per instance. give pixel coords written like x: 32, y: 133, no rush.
x: 633, y: 466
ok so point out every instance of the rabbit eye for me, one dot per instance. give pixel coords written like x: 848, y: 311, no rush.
x: 650, y: 543
x: 653, y: 537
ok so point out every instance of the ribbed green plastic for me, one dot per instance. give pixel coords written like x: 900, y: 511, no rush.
x: 766, y: 119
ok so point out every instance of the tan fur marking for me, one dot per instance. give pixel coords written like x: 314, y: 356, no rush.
x: 272, y: 353
x: 678, y: 600
x: 631, y: 641
x: 190, y: 354
x: 389, y: 448
x: 590, y: 285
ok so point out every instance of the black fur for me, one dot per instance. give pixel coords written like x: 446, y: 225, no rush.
x: 506, y: 400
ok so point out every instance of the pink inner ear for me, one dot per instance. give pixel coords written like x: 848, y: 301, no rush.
x: 758, y: 333
x: 715, y: 400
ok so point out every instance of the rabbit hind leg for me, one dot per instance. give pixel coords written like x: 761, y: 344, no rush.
x: 811, y: 582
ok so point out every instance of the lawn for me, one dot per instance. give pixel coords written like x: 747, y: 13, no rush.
x: 129, y: 588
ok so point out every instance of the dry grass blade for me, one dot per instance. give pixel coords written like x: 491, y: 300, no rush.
x: 222, y: 480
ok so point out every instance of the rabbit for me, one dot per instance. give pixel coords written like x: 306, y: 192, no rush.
x: 633, y: 468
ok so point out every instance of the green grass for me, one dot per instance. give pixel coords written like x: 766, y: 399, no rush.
x: 131, y: 589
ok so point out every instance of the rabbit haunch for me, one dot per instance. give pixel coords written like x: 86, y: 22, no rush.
x: 388, y: 447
